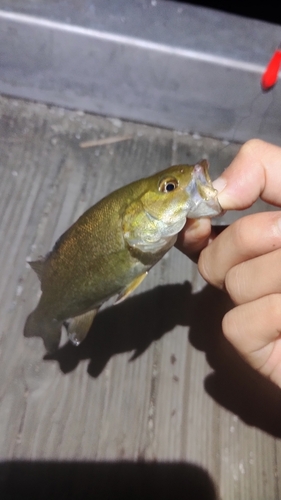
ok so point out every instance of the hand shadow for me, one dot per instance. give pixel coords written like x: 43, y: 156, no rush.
x: 233, y: 384
x: 134, y: 324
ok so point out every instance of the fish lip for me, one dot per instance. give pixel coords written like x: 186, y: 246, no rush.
x: 202, y: 178
x: 201, y: 171
x: 203, y: 197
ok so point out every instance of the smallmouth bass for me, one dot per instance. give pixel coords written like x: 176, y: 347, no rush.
x: 110, y: 249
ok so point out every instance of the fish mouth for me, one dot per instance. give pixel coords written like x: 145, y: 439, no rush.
x: 203, y: 198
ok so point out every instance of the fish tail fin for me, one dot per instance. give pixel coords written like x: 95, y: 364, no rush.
x: 48, y: 330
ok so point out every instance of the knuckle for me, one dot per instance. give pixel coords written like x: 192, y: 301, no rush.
x: 203, y: 266
x: 229, y: 326
x: 234, y: 283
x: 206, y: 268
x: 241, y: 233
x: 272, y: 307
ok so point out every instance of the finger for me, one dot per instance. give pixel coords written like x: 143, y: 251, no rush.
x: 254, y: 330
x: 245, y: 239
x: 196, y: 235
x: 254, y: 172
x: 255, y: 278
x: 193, y: 237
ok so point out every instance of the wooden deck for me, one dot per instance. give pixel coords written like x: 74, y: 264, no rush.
x: 154, y: 403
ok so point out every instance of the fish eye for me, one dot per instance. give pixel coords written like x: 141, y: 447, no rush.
x: 168, y: 185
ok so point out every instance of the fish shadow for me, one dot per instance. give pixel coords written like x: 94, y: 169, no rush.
x: 133, y: 325
x: 129, y: 326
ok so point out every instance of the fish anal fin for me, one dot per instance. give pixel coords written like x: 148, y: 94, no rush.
x: 130, y: 288
x: 38, y: 266
x: 78, y: 327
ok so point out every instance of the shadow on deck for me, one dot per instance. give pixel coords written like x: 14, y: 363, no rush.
x: 134, y: 324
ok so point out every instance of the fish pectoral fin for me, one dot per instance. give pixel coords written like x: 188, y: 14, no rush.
x: 130, y: 288
x: 78, y: 327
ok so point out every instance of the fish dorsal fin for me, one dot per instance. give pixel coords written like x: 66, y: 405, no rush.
x: 38, y: 266
x: 78, y: 327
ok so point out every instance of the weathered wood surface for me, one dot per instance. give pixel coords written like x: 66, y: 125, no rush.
x: 155, y: 400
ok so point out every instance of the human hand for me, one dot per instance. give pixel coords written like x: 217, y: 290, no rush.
x: 245, y: 258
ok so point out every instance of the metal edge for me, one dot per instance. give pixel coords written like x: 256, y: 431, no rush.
x: 98, y: 68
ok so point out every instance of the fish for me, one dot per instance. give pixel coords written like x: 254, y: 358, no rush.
x: 109, y: 250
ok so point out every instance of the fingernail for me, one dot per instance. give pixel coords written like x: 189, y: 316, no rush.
x: 219, y: 184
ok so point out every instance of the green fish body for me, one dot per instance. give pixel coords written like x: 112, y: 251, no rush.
x: 109, y: 250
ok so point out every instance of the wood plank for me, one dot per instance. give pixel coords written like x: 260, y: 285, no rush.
x: 154, y: 380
